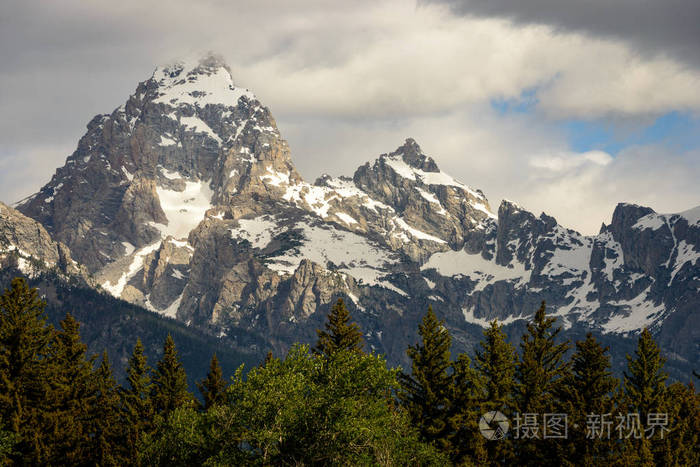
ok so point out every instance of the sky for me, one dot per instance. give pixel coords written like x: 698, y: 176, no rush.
x: 564, y: 107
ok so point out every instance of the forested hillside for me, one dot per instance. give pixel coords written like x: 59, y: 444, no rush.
x: 338, y: 404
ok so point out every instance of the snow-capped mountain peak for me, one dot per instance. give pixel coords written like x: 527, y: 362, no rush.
x: 185, y: 200
x: 201, y: 82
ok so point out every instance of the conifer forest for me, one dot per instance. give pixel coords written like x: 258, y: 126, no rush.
x: 547, y: 402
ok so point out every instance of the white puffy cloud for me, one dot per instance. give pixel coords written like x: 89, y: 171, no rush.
x: 349, y: 80
x: 516, y: 157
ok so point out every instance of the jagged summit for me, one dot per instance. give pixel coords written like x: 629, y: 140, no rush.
x: 185, y: 200
x: 197, y: 81
x: 408, y: 162
x: 187, y: 139
x: 412, y: 154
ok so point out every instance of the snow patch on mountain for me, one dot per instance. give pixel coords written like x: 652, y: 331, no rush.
x: 637, y: 313
x: 651, y: 221
x: 687, y: 253
x: 692, y: 215
x: 337, y: 250
x: 401, y: 224
x: 195, y: 82
x: 199, y: 126
x: 469, y: 317
x: 183, y: 209
x: 135, y: 266
x: 399, y: 166
x: 257, y: 231
x: 476, y: 267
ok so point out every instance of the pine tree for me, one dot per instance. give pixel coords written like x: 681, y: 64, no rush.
x: 73, y: 395
x: 25, y: 341
x: 540, y: 374
x: 681, y: 444
x: 268, y: 358
x: 108, y: 430
x: 495, y: 362
x: 426, y: 392
x: 136, y: 401
x: 340, y: 333
x: 213, y: 387
x: 169, y: 390
x: 466, y: 444
x: 589, y: 392
x: 645, y: 392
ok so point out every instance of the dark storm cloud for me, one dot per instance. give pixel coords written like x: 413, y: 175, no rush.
x: 651, y: 26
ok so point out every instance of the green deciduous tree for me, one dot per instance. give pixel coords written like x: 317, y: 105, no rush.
x: 300, y: 410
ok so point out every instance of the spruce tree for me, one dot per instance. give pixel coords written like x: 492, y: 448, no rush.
x: 108, y: 430
x: 681, y: 444
x: 495, y: 362
x: 169, y: 390
x: 268, y: 358
x: 645, y: 380
x: 340, y: 333
x: 540, y: 374
x: 73, y: 395
x: 466, y: 444
x: 645, y: 392
x: 213, y: 387
x: 590, y: 405
x: 426, y: 392
x: 136, y: 401
x: 25, y: 341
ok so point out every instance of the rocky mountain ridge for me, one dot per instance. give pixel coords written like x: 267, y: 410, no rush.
x: 185, y: 201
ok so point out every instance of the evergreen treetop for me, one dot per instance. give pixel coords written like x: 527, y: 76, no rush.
x: 426, y: 392
x: 645, y: 380
x: 542, y: 367
x: 541, y: 374
x: 340, y: 332
x: 495, y: 360
x: 169, y: 390
x: 589, y: 392
x: 213, y: 387
x: 25, y: 344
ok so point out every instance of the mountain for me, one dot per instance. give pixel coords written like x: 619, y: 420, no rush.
x: 185, y: 201
x: 107, y: 323
x: 27, y: 247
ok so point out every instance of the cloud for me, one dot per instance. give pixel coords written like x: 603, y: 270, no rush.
x: 349, y: 80
x: 517, y: 157
x: 556, y: 164
x: 665, y: 27
x: 433, y: 62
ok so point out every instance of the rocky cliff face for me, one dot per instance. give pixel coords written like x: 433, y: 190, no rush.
x: 25, y: 245
x: 185, y: 200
